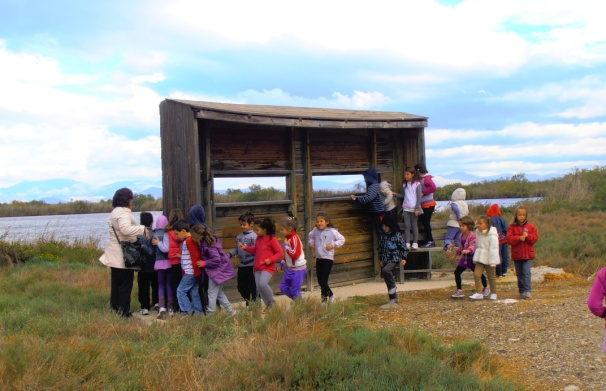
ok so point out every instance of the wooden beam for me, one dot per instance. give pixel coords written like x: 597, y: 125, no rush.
x: 308, y: 207
x: 308, y: 123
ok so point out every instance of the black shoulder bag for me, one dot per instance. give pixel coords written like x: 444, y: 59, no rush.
x: 131, y: 252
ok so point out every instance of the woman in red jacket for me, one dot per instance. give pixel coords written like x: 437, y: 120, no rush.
x: 521, y: 236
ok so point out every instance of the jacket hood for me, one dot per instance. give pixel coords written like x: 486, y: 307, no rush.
x: 371, y: 176
x: 161, y: 222
x: 385, y: 186
x: 458, y: 194
x: 391, y: 222
x: 197, y: 215
x: 493, y: 211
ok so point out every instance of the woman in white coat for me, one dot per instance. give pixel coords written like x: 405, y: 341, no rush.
x: 122, y: 220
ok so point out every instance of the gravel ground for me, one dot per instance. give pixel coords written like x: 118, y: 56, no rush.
x: 548, y: 343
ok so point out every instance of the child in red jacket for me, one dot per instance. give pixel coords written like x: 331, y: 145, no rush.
x: 522, y: 236
x: 268, y: 251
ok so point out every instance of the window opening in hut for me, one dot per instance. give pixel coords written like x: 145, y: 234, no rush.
x: 249, y: 189
x: 337, y: 185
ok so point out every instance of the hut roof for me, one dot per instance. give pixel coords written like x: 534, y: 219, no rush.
x: 302, y: 116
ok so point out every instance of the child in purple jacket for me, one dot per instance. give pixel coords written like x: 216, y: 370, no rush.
x: 217, y: 268
x: 465, y: 251
x: 595, y: 301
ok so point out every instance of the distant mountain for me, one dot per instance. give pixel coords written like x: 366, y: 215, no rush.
x: 59, y: 190
x: 54, y: 191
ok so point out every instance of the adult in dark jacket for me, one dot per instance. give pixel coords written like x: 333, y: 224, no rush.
x: 372, y: 197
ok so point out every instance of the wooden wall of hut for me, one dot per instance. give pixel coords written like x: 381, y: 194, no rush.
x: 297, y: 154
x: 196, y: 151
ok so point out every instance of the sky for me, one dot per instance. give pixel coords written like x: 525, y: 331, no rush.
x: 509, y: 87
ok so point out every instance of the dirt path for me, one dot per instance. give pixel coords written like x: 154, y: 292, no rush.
x: 547, y: 343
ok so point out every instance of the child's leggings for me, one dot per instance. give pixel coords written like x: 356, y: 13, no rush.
x: 262, y: 280
x: 490, y: 272
x: 165, y: 289
x: 457, y: 273
x: 215, y: 293
x: 410, y: 220
x: 323, y: 268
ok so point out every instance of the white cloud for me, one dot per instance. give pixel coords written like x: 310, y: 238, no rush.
x: 474, y: 35
x: 53, y: 131
x: 358, y: 100
x: 522, y: 132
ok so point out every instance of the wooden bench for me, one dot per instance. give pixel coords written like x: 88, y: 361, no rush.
x: 419, y: 264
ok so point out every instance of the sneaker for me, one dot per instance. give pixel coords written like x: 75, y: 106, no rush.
x: 446, y: 246
x: 458, y: 294
x: 390, y: 304
x: 477, y: 296
x: 332, y: 299
x: 415, y: 246
x: 232, y: 311
x: 526, y: 296
x: 493, y: 296
x: 162, y: 313
x: 430, y: 244
x: 144, y: 311
x: 486, y: 292
x: 171, y: 313
x: 408, y: 246
x: 157, y: 307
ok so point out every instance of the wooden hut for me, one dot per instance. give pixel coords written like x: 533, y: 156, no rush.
x: 202, y: 141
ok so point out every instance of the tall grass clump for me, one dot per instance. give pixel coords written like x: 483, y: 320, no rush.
x: 49, y: 248
x: 580, y: 190
x: 58, y: 333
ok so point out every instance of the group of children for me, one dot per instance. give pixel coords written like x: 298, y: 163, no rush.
x: 481, y: 246
x: 485, y: 250
x: 186, y: 262
x: 191, y: 265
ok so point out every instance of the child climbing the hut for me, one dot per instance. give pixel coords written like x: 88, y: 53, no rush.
x: 411, y: 206
x: 458, y: 210
x: 388, y: 200
x: 296, y: 265
x: 392, y: 251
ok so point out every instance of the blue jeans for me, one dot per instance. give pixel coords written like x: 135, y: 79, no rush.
x: 189, y: 285
x: 524, y: 275
x: 504, y: 254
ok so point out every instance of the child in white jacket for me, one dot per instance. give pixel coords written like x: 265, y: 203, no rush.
x: 486, y: 257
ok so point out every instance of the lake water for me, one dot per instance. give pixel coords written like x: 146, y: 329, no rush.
x: 503, y: 202
x: 72, y: 227
x: 62, y: 227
